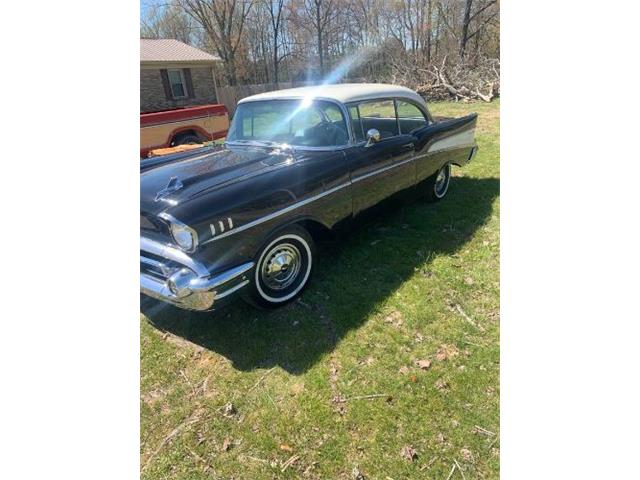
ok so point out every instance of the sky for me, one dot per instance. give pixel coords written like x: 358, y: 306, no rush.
x: 145, y: 4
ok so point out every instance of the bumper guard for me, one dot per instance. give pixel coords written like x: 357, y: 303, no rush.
x: 189, y: 289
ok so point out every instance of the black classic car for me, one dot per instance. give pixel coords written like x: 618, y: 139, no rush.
x: 219, y: 222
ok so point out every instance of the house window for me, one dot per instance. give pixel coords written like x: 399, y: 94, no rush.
x: 177, y: 83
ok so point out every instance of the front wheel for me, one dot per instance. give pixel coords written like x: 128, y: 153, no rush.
x: 283, y: 268
x: 438, y: 184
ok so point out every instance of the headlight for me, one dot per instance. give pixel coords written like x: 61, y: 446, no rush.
x: 185, y: 236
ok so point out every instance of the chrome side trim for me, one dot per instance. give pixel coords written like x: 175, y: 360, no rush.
x: 172, y: 253
x: 371, y: 174
x: 278, y: 213
x: 214, y: 282
x: 448, y: 149
x: 232, y: 290
x: 288, y: 209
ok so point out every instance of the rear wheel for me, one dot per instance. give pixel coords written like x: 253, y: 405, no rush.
x: 283, y: 268
x: 437, y: 185
x: 186, y: 139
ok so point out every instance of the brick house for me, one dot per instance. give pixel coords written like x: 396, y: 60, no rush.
x: 174, y: 74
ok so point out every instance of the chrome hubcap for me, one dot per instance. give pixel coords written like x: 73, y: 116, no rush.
x: 442, y: 180
x: 281, y: 266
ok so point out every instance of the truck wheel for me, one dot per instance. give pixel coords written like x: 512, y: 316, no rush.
x: 283, y: 268
x: 437, y: 185
x: 187, y: 139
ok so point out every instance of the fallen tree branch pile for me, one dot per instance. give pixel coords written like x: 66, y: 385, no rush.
x: 458, y: 82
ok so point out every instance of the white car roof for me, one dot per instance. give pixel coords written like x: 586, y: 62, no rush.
x: 342, y: 92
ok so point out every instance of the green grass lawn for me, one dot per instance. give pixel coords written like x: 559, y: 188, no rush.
x: 329, y: 386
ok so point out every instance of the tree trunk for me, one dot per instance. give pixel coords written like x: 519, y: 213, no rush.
x: 465, y: 28
x: 231, y: 69
x: 429, y: 13
x: 320, y: 49
x: 275, y: 60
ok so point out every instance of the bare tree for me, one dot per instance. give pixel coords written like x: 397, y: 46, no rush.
x: 223, y: 21
x: 469, y: 17
x: 446, y: 48
x: 275, y: 9
x: 320, y: 12
x: 169, y: 22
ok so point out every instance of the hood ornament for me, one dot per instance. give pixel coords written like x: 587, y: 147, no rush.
x: 173, y: 186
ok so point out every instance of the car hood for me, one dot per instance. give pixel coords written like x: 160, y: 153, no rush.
x: 185, y: 177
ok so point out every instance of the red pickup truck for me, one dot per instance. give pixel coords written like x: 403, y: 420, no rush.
x: 169, y: 128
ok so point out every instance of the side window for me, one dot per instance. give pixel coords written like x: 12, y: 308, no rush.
x: 356, y: 123
x: 410, y: 117
x: 381, y: 115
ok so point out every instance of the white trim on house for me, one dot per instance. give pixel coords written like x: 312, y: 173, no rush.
x: 174, y: 64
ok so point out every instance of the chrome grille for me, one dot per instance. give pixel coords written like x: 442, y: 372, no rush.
x: 156, y: 266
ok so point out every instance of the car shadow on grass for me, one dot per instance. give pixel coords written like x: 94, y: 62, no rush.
x: 352, y: 279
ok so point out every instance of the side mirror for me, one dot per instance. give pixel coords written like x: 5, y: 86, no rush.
x: 373, y: 136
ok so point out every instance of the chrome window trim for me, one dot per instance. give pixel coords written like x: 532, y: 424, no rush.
x: 355, y: 137
x: 377, y: 99
x: 424, y: 111
x: 341, y: 106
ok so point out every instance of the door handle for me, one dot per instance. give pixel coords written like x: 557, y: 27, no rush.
x: 408, y: 146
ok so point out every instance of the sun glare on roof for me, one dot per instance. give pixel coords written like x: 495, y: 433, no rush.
x: 337, y: 74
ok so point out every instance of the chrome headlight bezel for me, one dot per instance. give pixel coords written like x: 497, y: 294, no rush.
x: 185, y: 237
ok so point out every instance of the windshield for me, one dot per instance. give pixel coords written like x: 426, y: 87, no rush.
x: 293, y: 122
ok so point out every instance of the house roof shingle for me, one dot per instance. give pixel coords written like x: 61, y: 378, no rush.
x: 170, y: 50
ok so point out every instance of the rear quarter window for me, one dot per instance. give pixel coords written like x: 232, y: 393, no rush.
x: 410, y: 117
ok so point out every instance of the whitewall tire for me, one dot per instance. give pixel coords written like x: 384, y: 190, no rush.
x: 438, y: 184
x: 283, y: 268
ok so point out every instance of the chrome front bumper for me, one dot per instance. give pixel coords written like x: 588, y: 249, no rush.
x: 168, y: 274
